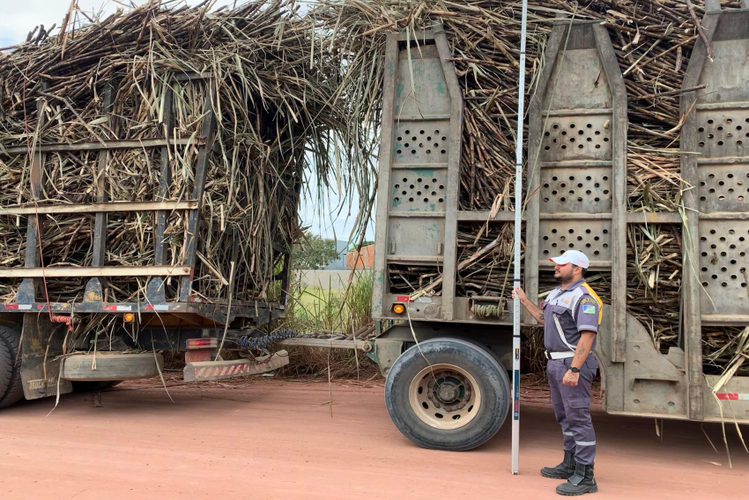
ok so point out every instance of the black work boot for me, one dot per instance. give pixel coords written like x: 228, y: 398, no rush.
x: 565, y: 470
x: 580, y: 483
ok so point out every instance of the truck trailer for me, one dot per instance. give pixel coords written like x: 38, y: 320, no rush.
x: 149, y: 207
x: 447, y: 355
x: 39, y: 357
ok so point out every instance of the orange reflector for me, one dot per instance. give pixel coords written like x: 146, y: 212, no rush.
x: 129, y: 317
x: 399, y: 308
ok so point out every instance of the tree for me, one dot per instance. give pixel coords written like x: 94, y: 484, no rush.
x: 313, y: 252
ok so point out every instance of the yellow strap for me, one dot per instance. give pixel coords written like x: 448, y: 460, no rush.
x: 598, y: 299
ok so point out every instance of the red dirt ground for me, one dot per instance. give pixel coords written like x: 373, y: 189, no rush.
x: 273, y: 439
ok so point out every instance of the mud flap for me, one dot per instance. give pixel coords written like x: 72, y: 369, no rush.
x: 41, y: 346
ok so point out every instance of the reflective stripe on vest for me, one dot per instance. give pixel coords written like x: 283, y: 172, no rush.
x: 560, y: 331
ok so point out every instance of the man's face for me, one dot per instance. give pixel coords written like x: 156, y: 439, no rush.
x: 564, y: 272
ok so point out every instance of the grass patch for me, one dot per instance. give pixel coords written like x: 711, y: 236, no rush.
x: 322, y: 311
x: 315, y: 309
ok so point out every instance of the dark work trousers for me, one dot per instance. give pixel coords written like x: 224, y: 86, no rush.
x: 572, y: 407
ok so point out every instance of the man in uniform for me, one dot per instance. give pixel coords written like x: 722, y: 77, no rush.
x: 570, y: 314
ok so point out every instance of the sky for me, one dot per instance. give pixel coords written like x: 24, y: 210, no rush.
x: 19, y: 17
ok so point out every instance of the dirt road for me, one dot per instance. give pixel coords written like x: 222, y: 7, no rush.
x: 269, y: 439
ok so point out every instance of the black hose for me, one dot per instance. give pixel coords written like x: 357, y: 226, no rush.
x: 266, y: 341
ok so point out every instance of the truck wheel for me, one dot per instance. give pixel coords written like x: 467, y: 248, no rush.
x: 11, y: 390
x: 447, y: 394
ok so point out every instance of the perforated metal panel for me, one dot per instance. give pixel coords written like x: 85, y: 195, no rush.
x: 578, y: 164
x: 419, y: 190
x: 575, y: 190
x: 719, y: 134
x: 724, y: 188
x: 723, y: 133
x: 581, y: 137
x: 592, y: 238
x: 723, y: 262
x: 421, y: 142
x: 575, y: 153
x: 418, y: 175
x: 715, y: 110
x: 723, y: 250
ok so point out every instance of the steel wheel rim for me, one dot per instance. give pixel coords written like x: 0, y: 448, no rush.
x: 445, y: 396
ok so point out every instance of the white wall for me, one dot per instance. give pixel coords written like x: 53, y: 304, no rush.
x: 330, y: 280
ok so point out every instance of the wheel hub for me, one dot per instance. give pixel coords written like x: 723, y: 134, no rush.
x: 445, y: 396
x: 448, y: 390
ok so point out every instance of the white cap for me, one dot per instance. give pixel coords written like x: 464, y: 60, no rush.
x: 574, y: 257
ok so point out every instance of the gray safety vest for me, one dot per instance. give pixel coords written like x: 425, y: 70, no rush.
x: 567, y: 313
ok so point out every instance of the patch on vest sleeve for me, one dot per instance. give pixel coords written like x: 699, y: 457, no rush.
x: 589, y: 309
x: 588, y: 300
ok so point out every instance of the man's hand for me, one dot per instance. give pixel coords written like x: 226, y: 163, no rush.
x: 520, y: 293
x: 571, y: 378
x: 532, y: 308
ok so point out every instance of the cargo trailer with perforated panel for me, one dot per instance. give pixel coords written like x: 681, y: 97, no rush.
x: 451, y: 389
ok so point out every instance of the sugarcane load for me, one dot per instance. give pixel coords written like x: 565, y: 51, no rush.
x: 153, y: 162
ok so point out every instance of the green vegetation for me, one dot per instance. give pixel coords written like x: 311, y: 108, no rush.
x: 318, y: 309
x: 317, y: 312
x: 313, y: 252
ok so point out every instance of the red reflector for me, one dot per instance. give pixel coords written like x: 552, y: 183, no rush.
x: 728, y: 396
x: 201, y: 343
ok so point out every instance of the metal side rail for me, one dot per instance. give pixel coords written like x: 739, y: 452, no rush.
x: 362, y: 345
x: 215, y: 312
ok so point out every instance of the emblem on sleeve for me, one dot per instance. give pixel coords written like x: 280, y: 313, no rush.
x: 589, y: 309
x: 588, y: 300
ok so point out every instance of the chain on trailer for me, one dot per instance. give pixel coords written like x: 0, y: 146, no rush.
x: 266, y: 341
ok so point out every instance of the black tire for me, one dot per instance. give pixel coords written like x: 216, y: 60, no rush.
x: 11, y: 389
x: 491, y: 380
x: 94, y: 386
